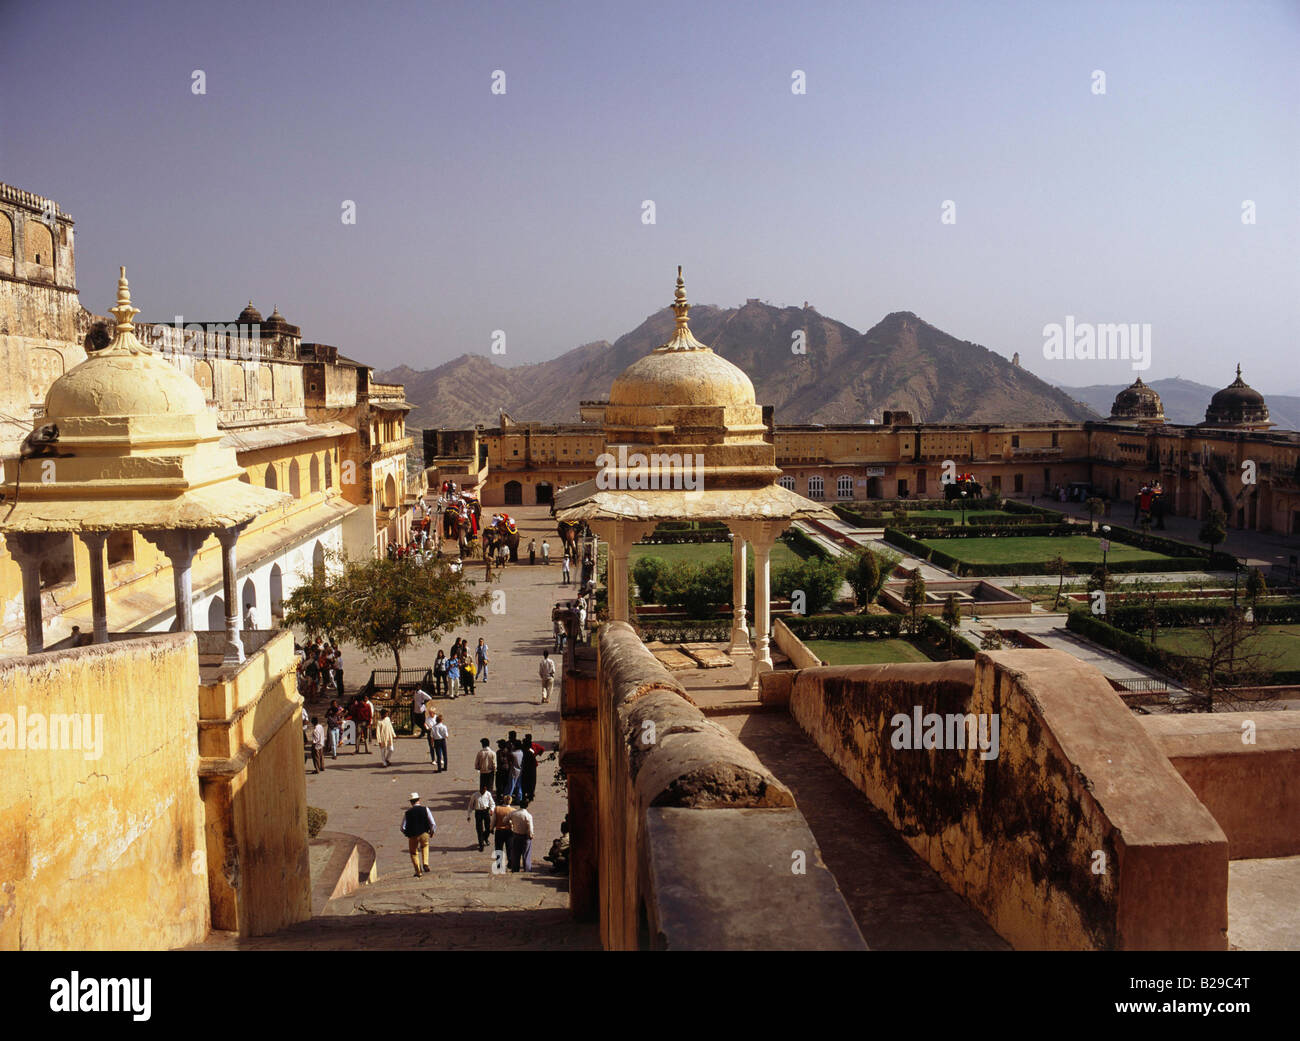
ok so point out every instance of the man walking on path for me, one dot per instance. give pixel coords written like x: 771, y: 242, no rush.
x: 362, y: 714
x: 386, y: 736
x: 528, y: 779
x: 485, y: 763
x: 439, y: 732
x: 317, y: 744
x: 521, y: 840
x: 532, y: 551
x: 565, y: 573
x: 546, y: 552
x: 418, y: 706
x: 417, y: 825
x: 482, y: 806
x: 546, y: 671
x: 481, y: 658
x: 501, y: 834
x: 334, y: 724
x: 516, y: 771
x: 503, y: 769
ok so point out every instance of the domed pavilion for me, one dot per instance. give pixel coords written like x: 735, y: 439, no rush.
x: 1138, y: 403
x: 1238, y: 405
x: 137, y: 449
x: 686, y: 441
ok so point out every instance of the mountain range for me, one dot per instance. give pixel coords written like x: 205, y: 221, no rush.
x: 842, y: 375
x: 1185, y: 401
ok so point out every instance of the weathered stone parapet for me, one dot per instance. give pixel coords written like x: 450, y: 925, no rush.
x: 1245, y: 769
x: 1076, y: 833
x: 696, y: 836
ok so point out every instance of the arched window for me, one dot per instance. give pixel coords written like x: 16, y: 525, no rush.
x: 390, y: 492
x: 329, y: 469
x: 318, y: 561
x: 295, y: 480
x: 249, y: 599
x: 6, y: 236
x: 264, y: 388
x: 514, y: 492
x: 315, y: 473
x: 203, y: 377
x: 816, y: 487
x: 38, y: 245
x: 271, y: 480
x: 216, y: 615
x: 844, y: 487
x: 277, y: 594
x: 786, y: 482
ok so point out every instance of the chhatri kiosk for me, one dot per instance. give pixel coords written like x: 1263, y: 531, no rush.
x: 138, y: 450
x: 686, y: 441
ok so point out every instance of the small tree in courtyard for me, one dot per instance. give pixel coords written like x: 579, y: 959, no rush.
x: 1214, y: 529
x: 951, y: 617
x: 384, y: 604
x: 914, y: 597
x: 1095, y: 506
x: 866, y: 573
x: 1060, y: 567
x: 1255, y: 586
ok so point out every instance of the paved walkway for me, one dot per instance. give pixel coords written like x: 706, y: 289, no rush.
x: 461, y: 904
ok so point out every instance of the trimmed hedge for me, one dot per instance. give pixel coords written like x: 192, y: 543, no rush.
x: 677, y: 538
x: 1279, y: 614
x: 686, y: 631
x: 986, y: 531
x: 844, y: 627
x: 935, y: 632
x: 1088, y: 625
x: 1174, y: 548
x: 1015, y: 506
x: 803, y: 544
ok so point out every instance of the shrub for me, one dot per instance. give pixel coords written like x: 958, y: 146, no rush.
x: 867, y: 572
x: 671, y: 631
x: 647, y: 573
x: 817, y: 577
x: 844, y: 626
x: 696, y: 588
x: 802, y: 544
x: 316, y: 818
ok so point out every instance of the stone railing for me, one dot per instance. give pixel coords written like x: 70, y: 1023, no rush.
x: 8, y: 193
x: 1058, y: 817
x: 696, y: 836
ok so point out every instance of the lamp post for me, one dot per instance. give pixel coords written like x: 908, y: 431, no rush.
x: 1105, y: 544
x: 963, y: 507
x: 1236, y: 577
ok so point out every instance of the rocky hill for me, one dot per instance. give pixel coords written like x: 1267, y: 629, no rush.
x: 843, y: 376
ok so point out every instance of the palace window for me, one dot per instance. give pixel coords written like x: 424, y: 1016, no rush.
x: 786, y: 482
x: 816, y: 487
x: 844, y: 487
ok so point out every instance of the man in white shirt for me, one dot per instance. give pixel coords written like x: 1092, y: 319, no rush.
x: 439, y: 732
x: 481, y: 806
x: 485, y: 763
x: 418, y: 705
x: 250, y: 617
x: 546, y: 552
x: 317, y: 744
x: 521, y: 840
x: 546, y: 672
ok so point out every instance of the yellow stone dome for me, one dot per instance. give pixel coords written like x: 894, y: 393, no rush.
x: 693, y: 377
x: 682, y: 372
x: 123, y: 384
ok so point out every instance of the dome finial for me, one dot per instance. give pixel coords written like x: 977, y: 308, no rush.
x: 123, y: 311
x: 682, y: 339
x: 1238, y: 370
x: 124, y: 341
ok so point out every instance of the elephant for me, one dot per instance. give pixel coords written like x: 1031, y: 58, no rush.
x: 570, y: 532
x: 460, y: 519
x: 499, y: 532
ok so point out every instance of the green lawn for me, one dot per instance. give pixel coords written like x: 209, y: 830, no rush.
x: 1280, y: 644
x: 1078, y: 549
x: 701, y: 552
x: 952, y: 515
x: 868, y: 651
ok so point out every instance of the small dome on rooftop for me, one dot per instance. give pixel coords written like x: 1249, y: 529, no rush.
x: 250, y: 315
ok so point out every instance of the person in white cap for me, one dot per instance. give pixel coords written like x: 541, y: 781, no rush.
x: 417, y: 825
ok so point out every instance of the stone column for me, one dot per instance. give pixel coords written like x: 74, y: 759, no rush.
x: 25, y: 548
x: 619, y: 536
x: 739, y: 625
x: 233, y: 652
x: 180, y: 547
x: 94, y: 541
x: 763, y: 537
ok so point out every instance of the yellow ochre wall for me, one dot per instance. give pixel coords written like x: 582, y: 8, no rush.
x: 105, y: 853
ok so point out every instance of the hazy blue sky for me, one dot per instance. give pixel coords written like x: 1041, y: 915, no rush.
x: 523, y: 211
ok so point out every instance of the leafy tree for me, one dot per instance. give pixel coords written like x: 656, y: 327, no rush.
x: 1214, y: 529
x: 867, y: 572
x: 384, y: 604
x: 951, y: 617
x: 991, y: 640
x: 819, y: 579
x: 1255, y: 586
x: 914, y: 597
x: 1060, y: 567
x: 696, y: 588
x: 1095, y: 506
x: 647, y: 573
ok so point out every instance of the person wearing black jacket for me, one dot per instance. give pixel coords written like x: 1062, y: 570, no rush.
x: 417, y: 825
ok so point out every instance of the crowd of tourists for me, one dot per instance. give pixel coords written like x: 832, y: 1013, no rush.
x: 320, y: 668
